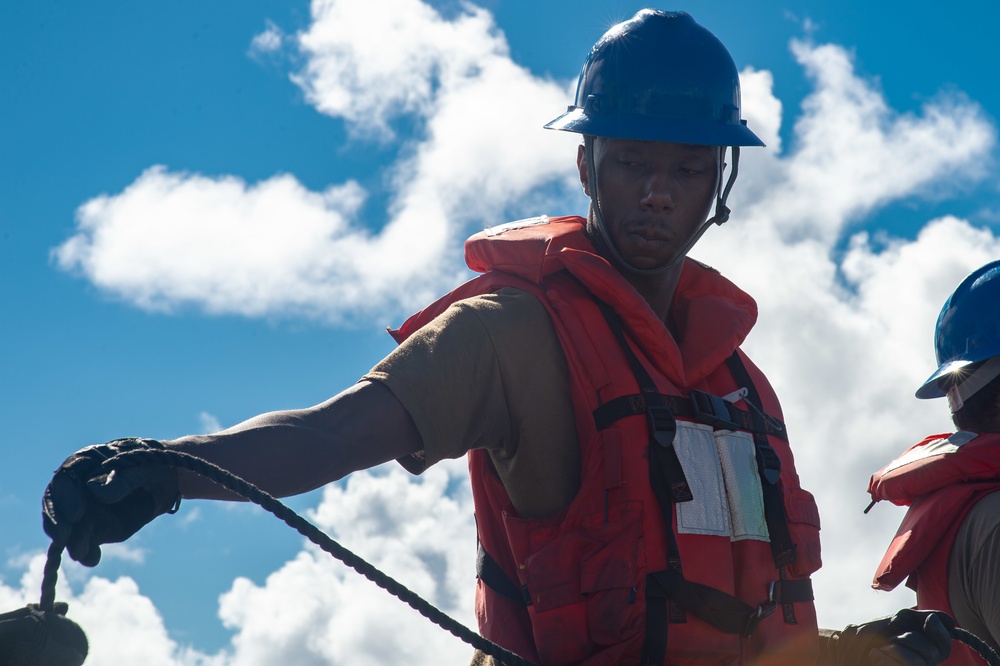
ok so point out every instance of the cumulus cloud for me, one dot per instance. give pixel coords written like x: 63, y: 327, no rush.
x: 856, y: 154
x: 172, y: 239
x: 268, y: 42
x: 274, y: 248
x: 122, y: 625
x: 314, y: 610
x: 124, y: 552
x: 209, y: 422
x: 846, y: 320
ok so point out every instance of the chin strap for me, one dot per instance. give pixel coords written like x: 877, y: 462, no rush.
x: 720, y: 217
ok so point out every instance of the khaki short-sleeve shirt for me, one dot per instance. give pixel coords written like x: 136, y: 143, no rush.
x: 974, y: 571
x: 489, y: 373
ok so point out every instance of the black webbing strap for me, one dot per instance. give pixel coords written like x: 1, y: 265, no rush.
x: 723, y: 611
x: 669, y: 484
x: 701, y: 600
x: 794, y: 591
x: 488, y: 571
x: 659, y: 418
x: 669, y: 596
x: 668, y: 593
x: 769, y: 467
x: 661, y: 610
x: 698, y: 406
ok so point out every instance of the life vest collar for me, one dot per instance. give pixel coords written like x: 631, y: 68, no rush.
x: 713, y: 316
x: 939, y: 479
x: 937, y: 462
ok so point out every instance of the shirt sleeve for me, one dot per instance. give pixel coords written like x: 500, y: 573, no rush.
x: 448, y: 376
x: 974, y: 571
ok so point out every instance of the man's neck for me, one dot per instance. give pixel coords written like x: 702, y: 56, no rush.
x: 657, y: 288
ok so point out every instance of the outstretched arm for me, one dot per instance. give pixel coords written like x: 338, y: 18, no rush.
x: 89, y: 503
x: 453, y: 369
x: 294, y: 451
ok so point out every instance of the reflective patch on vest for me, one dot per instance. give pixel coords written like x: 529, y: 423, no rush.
x: 708, y: 512
x: 517, y: 224
x: 745, y: 496
x: 932, y: 448
x: 721, y: 470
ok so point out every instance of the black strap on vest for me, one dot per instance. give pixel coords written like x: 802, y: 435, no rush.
x: 659, y: 417
x: 488, y: 571
x: 698, y: 406
x: 769, y: 467
x: 668, y: 593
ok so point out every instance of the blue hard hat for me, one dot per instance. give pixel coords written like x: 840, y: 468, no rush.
x: 659, y: 76
x: 968, y: 329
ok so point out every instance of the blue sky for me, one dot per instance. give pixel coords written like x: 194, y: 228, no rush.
x: 282, y: 184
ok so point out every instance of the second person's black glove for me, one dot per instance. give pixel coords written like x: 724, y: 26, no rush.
x: 908, y: 638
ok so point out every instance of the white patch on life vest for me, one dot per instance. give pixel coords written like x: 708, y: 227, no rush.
x: 708, y: 512
x: 721, y: 470
x: 517, y: 224
x: 935, y: 447
x: 743, y: 490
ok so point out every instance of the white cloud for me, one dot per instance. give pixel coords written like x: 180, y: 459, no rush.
x: 846, y: 315
x: 315, y: 610
x: 761, y: 109
x: 191, y: 515
x: 123, y: 552
x: 122, y: 626
x: 209, y: 422
x: 351, y: 74
x: 173, y: 239
x: 274, y: 248
x: 267, y: 42
x: 853, y: 154
x: 846, y: 322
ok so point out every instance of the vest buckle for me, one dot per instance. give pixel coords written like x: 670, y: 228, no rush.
x: 763, y: 610
x: 711, y: 410
x: 662, y: 425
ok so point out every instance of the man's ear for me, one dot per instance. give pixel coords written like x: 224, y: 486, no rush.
x: 581, y: 165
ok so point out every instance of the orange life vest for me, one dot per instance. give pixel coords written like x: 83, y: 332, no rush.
x: 608, y: 580
x: 939, y: 479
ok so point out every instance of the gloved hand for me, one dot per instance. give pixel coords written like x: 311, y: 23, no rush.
x: 32, y: 637
x: 908, y: 638
x: 92, y: 501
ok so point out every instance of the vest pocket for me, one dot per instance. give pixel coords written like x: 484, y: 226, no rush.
x: 581, y: 576
x: 803, y: 527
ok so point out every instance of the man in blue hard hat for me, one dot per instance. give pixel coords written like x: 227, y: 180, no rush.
x: 636, y: 495
x: 948, y: 545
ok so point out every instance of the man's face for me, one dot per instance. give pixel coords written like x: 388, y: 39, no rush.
x: 653, y: 195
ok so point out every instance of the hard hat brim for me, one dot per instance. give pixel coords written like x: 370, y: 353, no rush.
x: 932, y: 387
x: 946, y: 373
x: 654, y: 128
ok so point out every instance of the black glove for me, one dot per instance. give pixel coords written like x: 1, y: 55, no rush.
x: 91, y: 500
x: 32, y: 637
x: 908, y: 638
